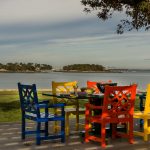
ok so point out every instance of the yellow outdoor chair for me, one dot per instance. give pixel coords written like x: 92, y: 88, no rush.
x: 68, y: 87
x: 145, y: 115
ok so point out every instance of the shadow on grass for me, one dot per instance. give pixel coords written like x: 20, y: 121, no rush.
x: 6, y: 106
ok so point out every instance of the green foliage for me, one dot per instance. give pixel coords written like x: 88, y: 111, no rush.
x: 20, y: 67
x: 84, y: 67
x: 137, y: 12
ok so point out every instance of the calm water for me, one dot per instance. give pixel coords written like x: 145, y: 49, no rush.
x: 43, y: 80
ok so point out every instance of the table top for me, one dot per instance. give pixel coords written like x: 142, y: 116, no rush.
x: 79, y: 95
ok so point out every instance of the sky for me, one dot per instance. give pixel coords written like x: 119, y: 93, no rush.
x: 59, y: 33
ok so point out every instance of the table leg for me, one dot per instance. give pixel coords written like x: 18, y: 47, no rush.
x: 77, y: 115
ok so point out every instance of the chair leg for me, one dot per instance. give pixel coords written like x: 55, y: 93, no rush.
x: 87, y: 124
x: 63, y: 131
x: 67, y: 124
x: 87, y: 128
x: 23, y: 127
x: 38, y: 138
x: 103, y: 135
x: 46, y: 129
x: 145, y: 129
x: 114, y: 128
x: 131, y: 140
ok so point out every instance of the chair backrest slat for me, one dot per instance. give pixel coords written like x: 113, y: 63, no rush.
x: 95, y: 85
x: 63, y: 87
x: 118, y: 101
x: 28, y: 98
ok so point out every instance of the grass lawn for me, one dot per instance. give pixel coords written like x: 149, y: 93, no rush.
x: 10, y: 106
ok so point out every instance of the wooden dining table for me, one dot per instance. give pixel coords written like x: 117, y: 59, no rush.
x: 79, y: 96
x: 95, y: 99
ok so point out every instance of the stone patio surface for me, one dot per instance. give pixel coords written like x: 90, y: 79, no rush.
x: 10, y: 139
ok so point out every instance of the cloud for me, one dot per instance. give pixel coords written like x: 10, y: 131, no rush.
x: 41, y: 33
x: 17, y: 11
x: 59, y: 32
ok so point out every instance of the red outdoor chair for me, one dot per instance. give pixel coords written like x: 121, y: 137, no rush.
x: 118, y: 107
x: 93, y: 85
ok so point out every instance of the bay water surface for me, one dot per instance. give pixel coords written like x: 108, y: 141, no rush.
x: 43, y: 80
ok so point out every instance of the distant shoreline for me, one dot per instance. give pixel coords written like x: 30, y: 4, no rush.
x: 25, y: 71
x: 129, y: 71
x: 65, y: 72
x: 1, y: 90
x: 89, y: 71
x: 74, y: 72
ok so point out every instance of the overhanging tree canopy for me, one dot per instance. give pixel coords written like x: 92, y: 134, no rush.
x: 137, y: 12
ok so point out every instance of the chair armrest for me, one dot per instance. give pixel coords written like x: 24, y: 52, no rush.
x: 41, y: 105
x: 50, y: 106
x: 44, y: 102
x: 57, y: 105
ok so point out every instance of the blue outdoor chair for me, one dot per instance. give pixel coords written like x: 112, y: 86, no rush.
x: 31, y: 109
